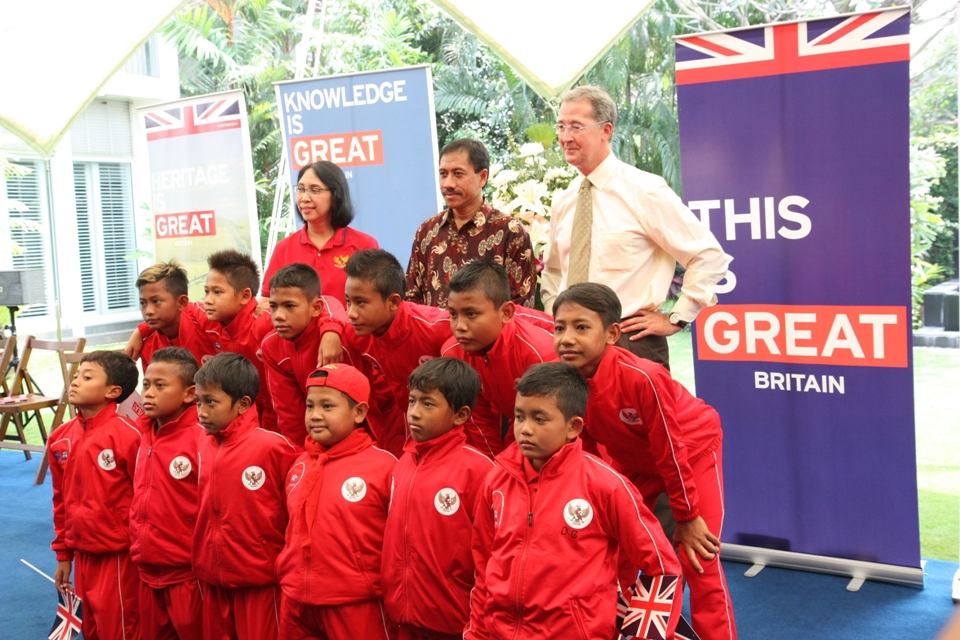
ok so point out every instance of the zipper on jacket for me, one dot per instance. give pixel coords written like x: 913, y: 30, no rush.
x: 527, y: 536
x: 406, y: 545
x: 216, y: 511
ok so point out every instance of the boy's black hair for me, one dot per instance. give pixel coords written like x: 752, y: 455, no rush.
x: 379, y: 267
x: 477, y: 154
x: 238, y: 268
x: 171, y: 274
x: 560, y: 381
x: 320, y: 373
x: 182, y: 358
x: 298, y: 276
x: 333, y: 178
x: 593, y: 296
x: 235, y: 375
x: 482, y: 275
x: 120, y: 369
x: 456, y: 381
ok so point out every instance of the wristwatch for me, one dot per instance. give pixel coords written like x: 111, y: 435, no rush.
x: 675, y: 319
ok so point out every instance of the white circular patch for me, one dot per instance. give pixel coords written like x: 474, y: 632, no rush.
x: 354, y: 489
x: 578, y: 513
x: 253, y: 478
x: 180, y: 467
x: 629, y: 415
x: 106, y: 460
x: 447, y: 501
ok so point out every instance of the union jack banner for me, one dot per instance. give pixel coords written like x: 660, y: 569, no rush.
x: 68, y: 623
x: 644, y: 610
x: 190, y: 119
x: 815, y: 45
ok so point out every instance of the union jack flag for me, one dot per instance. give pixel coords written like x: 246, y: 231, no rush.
x: 215, y: 114
x: 69, y: 611
x: 644, y: 610
x: 815, y: 45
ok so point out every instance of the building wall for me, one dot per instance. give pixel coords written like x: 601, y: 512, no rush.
x: 103, y: 151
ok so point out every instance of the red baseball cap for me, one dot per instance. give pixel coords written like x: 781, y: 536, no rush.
x: 343, y: 378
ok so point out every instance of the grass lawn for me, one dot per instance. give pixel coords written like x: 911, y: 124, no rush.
x: 936, y: 378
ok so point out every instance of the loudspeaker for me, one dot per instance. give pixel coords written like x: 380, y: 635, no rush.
x: 20, y: 288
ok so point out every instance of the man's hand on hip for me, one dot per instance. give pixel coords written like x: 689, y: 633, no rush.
x: 648, y: 323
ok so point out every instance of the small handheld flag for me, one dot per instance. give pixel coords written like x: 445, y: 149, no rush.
x: 644, y: 610
x: 68, y: 622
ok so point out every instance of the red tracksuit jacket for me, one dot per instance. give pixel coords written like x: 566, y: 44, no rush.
x: 651, y: 427
x: 163, y: 514
x: 338, y: 509
x: 520, y: 345
x: 288, y: 363
x: 91, y: 464
x: 244, y: 335
x: 535, y: 317
x: 190, y: 336
x: 546, y: 548
x: 427, y: 561
x: 417, y: 334
x: 241, y: 516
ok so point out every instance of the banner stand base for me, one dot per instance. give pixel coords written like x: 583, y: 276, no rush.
x: 856, y: 569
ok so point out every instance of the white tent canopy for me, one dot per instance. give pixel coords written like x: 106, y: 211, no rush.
x: 58, y: 54
x: 550, y: 45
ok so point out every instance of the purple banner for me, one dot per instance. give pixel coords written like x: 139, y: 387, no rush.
x: 795, y: 152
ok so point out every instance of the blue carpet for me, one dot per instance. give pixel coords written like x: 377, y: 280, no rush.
x: 778, y: 603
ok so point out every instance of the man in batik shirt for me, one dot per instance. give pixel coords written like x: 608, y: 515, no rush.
x: 468, y: 229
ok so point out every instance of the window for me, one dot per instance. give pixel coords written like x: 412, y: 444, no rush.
x: 144, y: 60
x: 106, y: 232
x: 30, y: 191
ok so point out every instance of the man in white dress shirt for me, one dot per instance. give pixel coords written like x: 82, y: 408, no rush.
x: 637, y: 231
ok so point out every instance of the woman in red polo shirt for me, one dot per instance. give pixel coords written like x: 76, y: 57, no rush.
x: 326, y: 240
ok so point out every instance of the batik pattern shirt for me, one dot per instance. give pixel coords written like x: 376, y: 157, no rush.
x: 440, y: 249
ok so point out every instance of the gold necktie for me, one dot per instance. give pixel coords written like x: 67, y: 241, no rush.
x: 581, y: 237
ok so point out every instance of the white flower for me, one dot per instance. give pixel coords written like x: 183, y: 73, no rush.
x: 539, y: 230
x: 556, y: 173
x: 495, y: 169
x: 504, y: 177
x: 529, y: 196
x: 530, y: 149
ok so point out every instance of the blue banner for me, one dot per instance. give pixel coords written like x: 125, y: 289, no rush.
x: 379, y: 128
x: 795, y: 152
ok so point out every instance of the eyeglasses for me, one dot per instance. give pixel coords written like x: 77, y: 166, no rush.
x: 314, y: 191
x: 576, y: 129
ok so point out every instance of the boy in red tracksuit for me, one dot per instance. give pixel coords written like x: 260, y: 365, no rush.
x: 92, y: 460
x: 163, y: 298
x: 290, y: 350
x: 388, y: 335
x: 337, y: 496
x: 492, y: 338
x: 241, y: 516
x: 659, y: 436
x: 228, y: 324
x: 427, y: 562
x: 164, y: 508
x: 553, y: 524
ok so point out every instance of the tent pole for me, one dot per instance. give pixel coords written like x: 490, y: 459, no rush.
x: 53, y: 247
x: 310, y: 37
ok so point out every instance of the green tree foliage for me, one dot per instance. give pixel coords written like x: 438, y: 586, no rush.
x: 249, y: 44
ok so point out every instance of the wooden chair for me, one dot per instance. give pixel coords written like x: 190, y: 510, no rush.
x: 7, y: 348
x: 27, y: 398
x: 72, y: 360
